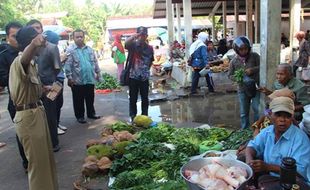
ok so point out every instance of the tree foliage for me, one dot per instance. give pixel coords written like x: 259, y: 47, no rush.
x: 91, y: 16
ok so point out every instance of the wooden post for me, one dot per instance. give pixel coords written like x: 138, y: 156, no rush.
x: 249, y: 21
x: 187, y: 11
x: 236, y: 12
x: 179, y: 29
x: 257, y: 21
x: 224, y: 4
x: 169, y: 18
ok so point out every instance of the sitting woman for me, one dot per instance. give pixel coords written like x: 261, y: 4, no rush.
x: 159, y: 59
x: 282, y: 139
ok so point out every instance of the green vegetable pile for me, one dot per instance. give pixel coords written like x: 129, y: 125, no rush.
x: 238, y: 75
x: 151, y: 162
x: 121, y: 126
x: 237, y: 138
x: 108, y: 82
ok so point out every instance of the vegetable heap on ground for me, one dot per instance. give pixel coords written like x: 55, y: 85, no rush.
x: 108, y: 82
x: 152, y: 157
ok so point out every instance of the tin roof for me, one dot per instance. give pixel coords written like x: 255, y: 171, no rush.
x: 204, y: 7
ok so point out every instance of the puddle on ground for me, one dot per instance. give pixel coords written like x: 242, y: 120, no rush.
x: 212, y: 110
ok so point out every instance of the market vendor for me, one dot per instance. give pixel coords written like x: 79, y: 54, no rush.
x: 282, y: 139
x: 159, y: 59
x: 286, y: 79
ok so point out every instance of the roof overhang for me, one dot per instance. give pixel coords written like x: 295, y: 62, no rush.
x: 205, y: 7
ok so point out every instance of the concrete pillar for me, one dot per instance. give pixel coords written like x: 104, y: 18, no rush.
x: 187, y: 12
x: 169, y: 18
x: 249, y: 21
x: 257, y: 21
x: 179, y: 29
x: 269, y: 41
x: 213, y: 29
x: 295, y: 7
x: 224, y: 6
x: 236, y: 12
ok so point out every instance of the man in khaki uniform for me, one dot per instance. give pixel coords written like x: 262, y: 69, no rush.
x: 30, y: 120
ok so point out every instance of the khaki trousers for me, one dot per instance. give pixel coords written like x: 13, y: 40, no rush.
x: 32, y: 129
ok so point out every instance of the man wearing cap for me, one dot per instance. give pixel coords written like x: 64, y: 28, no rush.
x: 286, y: 79
x: 30, y: 119
x: 141, y: 57
x: 282, y: 139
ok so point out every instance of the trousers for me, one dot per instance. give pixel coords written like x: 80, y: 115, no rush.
x: 245, y: 103
x: 12, y: 112
x: 136, y: 86
x: 195, y: 81
x: 32, y: 129
x: 82, y: 94
x: 51, y: 115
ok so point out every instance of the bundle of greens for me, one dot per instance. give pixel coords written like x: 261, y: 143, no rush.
x: 162, y: 174
x: 238, y: 75
x: 139, y: 155
x: 108, y: 82
x: 154, y: 160
x: 237, y: 138
x: 121, y: 126
x: 157, y: 135
x: 218, y: 134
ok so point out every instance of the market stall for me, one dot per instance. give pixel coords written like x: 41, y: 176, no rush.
x: 149, y: 155
x: 182, y: 74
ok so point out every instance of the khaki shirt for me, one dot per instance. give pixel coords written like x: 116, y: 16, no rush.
x: 25, y: 87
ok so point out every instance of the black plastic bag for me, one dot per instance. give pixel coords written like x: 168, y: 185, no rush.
x: 249, y: 86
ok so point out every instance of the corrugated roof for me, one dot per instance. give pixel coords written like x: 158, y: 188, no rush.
x: 204, y: 7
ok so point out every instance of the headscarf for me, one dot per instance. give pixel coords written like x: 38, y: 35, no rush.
x: 117, y: 42
x: 202, y: 38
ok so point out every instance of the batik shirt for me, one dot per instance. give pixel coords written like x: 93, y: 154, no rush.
x: 81, y: 65
x: 141, y: 58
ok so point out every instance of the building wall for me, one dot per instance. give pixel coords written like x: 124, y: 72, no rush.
x: 285, y: 26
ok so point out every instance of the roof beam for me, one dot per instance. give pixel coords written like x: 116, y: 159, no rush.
x: 305, y: 4
x: 193, y: 1
x: 217, y: 5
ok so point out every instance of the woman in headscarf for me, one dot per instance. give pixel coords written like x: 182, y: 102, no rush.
x: 199, y: 60
x: 118, y: 54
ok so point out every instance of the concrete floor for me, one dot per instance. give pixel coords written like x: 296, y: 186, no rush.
x: 218, y: 108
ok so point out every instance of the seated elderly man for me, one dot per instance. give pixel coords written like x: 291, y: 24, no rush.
x: 286, y: 79
x: 282, y: 139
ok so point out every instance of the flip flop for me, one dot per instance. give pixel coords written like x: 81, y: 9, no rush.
x: 2, y: 144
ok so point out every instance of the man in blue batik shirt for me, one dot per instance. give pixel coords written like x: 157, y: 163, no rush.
x: 82, y: 71
x: 283, y: 139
